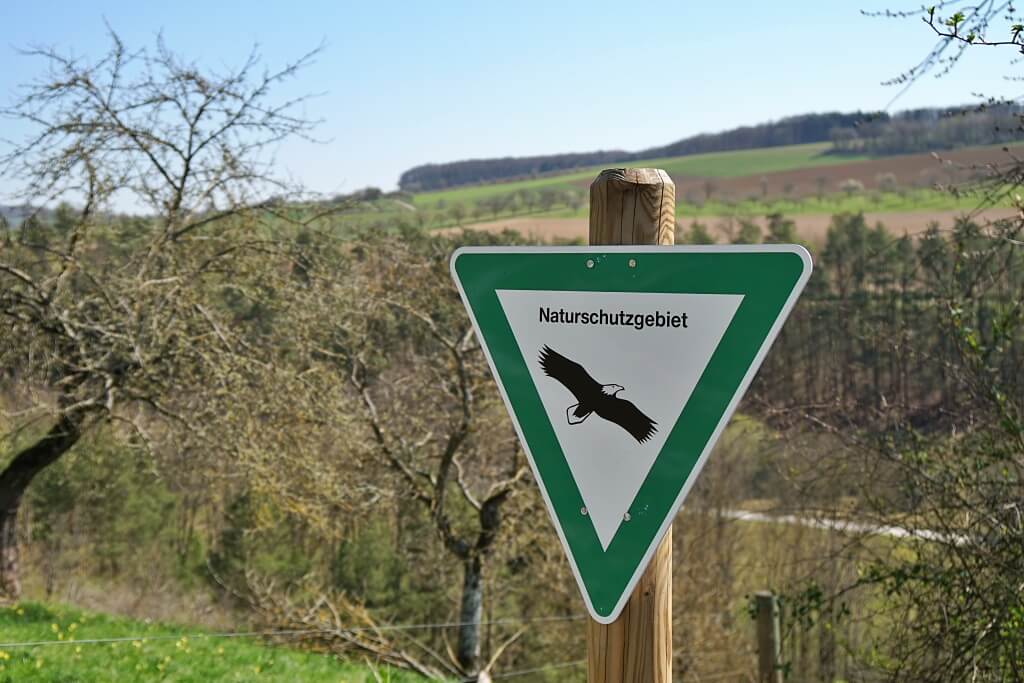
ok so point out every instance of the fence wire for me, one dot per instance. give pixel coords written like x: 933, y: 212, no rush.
x: 527, y: 672
x: 361, y: 629
x: 284, y: 632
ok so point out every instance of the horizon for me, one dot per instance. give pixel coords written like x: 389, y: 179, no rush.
x: 470, y: 82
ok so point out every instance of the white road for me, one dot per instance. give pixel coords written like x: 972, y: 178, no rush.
x: 843, y: 526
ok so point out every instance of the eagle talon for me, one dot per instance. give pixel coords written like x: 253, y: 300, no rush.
x: 568, y: 415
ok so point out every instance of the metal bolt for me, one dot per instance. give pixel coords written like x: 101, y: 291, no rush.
x: 583, y: 511
x: 626, y: 517
x: 632, y: 263
x: 590, y: 263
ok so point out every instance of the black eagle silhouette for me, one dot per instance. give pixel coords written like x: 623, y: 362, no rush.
x: 594, y: 397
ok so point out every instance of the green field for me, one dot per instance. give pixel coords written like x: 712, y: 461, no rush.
x: 153, y: 652
x: 717, y: 164
x: 896, y: 202
x: 469, y: 205
x: 747, y: 162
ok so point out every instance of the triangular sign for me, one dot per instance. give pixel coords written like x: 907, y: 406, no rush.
x: 620, y: 367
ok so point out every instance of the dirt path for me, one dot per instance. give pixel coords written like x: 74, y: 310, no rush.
x: 810, y: 227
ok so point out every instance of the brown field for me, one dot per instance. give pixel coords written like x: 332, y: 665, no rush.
x: 911, y: 170
x: 810, y: 227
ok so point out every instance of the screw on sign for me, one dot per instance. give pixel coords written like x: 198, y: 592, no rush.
x: 620, y: 365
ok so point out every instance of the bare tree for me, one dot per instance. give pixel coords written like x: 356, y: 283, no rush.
x: 820, y: 183
x: 457, y: 212
x: 958, y: 25
x: 110, y: 319
x: 710, y: 188
x: 435, y: 431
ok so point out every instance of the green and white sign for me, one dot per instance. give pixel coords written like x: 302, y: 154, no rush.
x: 620, y: 367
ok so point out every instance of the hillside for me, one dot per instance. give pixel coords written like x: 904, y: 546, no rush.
x: 916, y: 130
x: 804, y: 182
x: 793, y: 130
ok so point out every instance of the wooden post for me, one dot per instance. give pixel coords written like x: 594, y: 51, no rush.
x: 769, y: 638
x: 635, y: 206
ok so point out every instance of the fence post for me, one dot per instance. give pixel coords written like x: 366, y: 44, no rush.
x: 635, y: 206
x: 769, y: 638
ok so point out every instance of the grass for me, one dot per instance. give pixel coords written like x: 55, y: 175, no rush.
x: 751, y: 162
x: 432, y: 208
x: 717, y: 164
x: 829, y: 204
x: 746, y: 162
x: 734, y: 164
x: 896, y: 202
x: 157, y: 652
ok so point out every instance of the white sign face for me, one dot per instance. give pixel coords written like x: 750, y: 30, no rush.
x: 629, y: 344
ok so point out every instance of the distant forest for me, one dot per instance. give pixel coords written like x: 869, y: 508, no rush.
x: 927, y: 130
x: 916, y: 130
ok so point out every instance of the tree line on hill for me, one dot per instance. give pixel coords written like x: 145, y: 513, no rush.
x: 788, y: 131
x: 915, y: 130
x: 926, y: 130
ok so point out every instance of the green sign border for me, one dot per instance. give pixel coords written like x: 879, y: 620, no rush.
x: 769, y: 278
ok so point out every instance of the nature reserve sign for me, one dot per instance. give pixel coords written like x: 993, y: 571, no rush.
x: 620, y: 367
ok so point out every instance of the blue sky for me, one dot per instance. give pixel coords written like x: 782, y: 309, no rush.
x: 414, y: 82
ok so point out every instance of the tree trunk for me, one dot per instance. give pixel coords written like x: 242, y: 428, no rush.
x: 13, y: 482
x: 469, y: 616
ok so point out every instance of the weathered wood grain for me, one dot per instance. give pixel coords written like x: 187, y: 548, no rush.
x: 637, y: 647
x: 635, y: 206
x: 632, y: 206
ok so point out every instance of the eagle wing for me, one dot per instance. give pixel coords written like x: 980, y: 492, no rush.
x: 629, y: 417
x: 571, y: 374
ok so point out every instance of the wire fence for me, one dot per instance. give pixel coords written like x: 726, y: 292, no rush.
x: 700, y: 678
x: 526, y: 672
x: 286, y: 632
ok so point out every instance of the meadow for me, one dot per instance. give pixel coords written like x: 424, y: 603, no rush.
x: 717, y: 165
x: 143, y: 650
x: 796, y: 180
